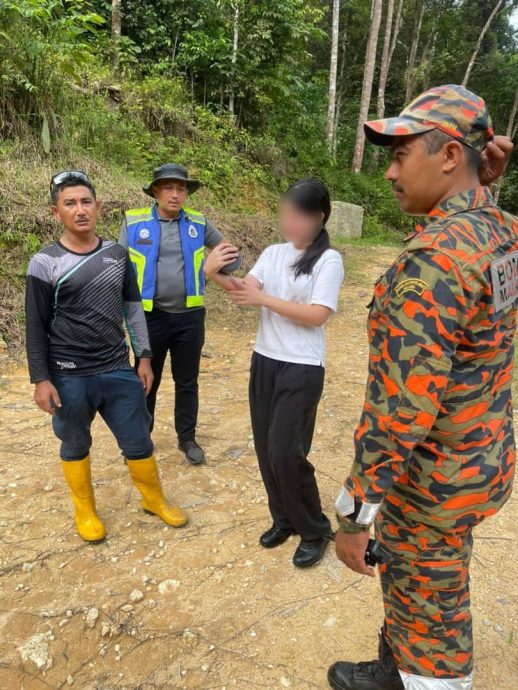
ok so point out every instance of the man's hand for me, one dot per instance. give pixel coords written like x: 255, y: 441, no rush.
x: 351, y: 548
x: 145, y: 374
x: 46, y: 397
x: 245, y: 293
x: 494, y: 159
x: 222, y: 255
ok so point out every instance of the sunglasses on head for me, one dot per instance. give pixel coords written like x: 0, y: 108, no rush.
x: 66, y: 175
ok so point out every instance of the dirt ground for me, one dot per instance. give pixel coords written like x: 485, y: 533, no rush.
x: 205, y: 607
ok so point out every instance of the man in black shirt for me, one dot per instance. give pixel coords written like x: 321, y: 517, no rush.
x: 81, y: 290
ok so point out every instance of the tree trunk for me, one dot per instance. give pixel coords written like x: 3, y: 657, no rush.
x: 512, y: 127
x: 395, y: 32
x: 385, y: 60
x: 413, y: 53
x: 116, y: 30
x: 368, y: 76
x: 340, y: 90
x: 235, y: 44
x: 479, y: 41
x: 428, y: 58
x: 331, y: 107
x: 386, y: 57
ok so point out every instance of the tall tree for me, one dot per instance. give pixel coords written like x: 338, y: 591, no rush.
x: 340, y: 89
x: 331, y: 107
x: 484, y: 31
x: 385, y: 59
x: 368, y: 76
x: 395, y: 32
x: 116, y: 30
x: 410, y: 72
x: 235, y: 45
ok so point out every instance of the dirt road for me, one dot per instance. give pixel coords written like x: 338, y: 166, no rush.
x: 205, y: 607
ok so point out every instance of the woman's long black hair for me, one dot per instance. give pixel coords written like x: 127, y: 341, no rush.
x: 311, y: 196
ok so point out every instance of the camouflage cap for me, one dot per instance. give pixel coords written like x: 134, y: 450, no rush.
x: 451, y: 108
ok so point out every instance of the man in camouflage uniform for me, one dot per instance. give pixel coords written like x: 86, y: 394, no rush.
x: 435, y: 449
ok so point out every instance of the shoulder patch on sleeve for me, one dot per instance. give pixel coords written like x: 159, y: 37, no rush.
x: 410, y: 285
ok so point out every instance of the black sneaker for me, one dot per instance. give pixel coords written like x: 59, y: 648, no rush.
x: 193, y: 452
x: 381, y: 674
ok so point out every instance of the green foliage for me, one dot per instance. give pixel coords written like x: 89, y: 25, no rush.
x: 43, y: 43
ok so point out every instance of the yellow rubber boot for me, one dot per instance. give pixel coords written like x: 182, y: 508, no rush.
x: 144, y: 474
x: 79, y: 480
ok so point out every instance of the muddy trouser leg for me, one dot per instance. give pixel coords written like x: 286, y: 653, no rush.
x: 293, y: 392
x: 427, y: 603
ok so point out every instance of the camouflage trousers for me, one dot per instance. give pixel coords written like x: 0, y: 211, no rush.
x: 427, y: 601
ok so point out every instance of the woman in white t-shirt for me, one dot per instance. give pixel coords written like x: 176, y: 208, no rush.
x: 296, y: 285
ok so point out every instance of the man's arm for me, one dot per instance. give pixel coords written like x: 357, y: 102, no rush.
x: 38, y: 313
x: 136, y: 325
x: 213, y: 239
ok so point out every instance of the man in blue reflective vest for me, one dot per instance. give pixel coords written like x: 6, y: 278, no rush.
x: 166, y: 243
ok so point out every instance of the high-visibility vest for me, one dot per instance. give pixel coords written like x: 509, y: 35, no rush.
x: 143, y: 227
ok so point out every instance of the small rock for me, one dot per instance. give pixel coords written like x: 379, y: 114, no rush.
x: 69, y: 613
x: 136, y: 596
x: 48, y: 488
x: 205, y: 668
x: 285, y: 682
x: 105, y: 629
x: 234, y: 453
x: 27, y: 567
x: 117, y: 648
x: 330, y: 622
x: 91, y: 617
x: 498, y: 628
x: 70, y: 680
x: 36, y: 650
x: 168, y: 586
x: 127, y: 608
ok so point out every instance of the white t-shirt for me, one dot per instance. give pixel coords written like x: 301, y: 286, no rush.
x: 281, y: 338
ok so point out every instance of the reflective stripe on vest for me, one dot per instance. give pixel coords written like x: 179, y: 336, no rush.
x: 143, y: 229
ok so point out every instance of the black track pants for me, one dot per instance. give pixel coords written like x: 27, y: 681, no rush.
x: 283, y: 404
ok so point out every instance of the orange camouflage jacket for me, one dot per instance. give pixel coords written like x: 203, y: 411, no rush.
x: 436, y: 434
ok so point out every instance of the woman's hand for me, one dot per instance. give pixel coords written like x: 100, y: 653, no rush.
x: 246, y: 293
x: 223, y: 255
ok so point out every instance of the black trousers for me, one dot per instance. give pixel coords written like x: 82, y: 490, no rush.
x: 284, y: 399
x: 183, y: 336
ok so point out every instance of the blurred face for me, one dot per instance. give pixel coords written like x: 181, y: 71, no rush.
x: 298, y: 227
x: 170, y: 195
x: 77, y: 209
x: 418, y: 178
